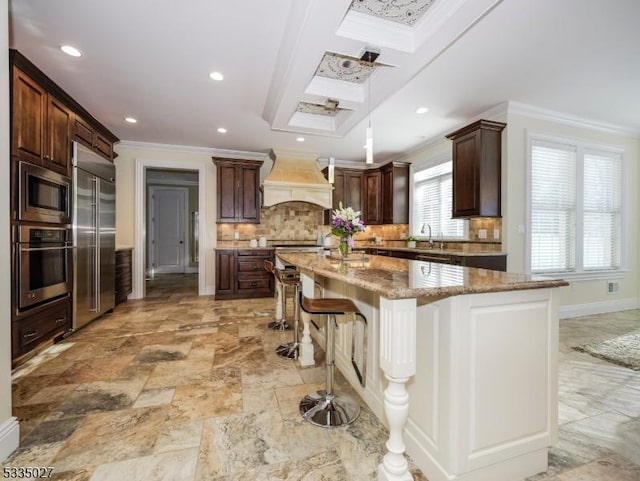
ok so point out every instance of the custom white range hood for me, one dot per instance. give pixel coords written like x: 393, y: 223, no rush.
x: 295, y: 177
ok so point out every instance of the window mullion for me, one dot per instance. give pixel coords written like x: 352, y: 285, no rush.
x: 579, y: 239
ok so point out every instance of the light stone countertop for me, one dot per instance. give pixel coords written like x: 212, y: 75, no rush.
x: 395, y: 278
x: 443, y: 252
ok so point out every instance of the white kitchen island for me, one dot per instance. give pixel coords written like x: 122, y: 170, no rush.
x: 462, y: 362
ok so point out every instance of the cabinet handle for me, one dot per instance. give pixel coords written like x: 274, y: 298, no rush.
x: 62, y: 319
x: 31, y: 334
x: 253, y: 284
x: 46, y: 157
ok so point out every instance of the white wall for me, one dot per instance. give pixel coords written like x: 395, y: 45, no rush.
x: 8, y: 425
x: 125, y: 195
x: 582, y: 297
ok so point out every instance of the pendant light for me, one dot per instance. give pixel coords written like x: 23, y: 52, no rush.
x: 369, y: 56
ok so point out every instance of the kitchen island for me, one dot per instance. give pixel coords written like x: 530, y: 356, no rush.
x: 462, y: 362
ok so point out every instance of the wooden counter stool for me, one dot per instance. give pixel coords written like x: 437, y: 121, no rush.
x: 327, y: 408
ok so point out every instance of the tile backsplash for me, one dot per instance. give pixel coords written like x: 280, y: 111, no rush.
x: 301, y: 221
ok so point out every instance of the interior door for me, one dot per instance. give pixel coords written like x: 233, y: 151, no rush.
x: 169, y: 221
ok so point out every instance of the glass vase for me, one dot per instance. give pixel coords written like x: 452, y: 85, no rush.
x: 344, y: 248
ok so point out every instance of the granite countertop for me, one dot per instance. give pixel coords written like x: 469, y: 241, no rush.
x: 404, y: 279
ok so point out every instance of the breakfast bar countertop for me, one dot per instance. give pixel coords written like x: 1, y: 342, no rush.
x: 395, y: 278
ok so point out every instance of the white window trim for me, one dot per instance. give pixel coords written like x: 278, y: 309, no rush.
x: 422, y: 165
x: 581, y: 145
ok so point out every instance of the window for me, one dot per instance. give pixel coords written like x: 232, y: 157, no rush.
x: 432, y: 203
x: 575, y: 207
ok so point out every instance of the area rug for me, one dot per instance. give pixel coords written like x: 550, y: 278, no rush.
x: 623, y: 350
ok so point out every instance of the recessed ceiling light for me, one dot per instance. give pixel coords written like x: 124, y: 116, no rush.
x: 216, y: 76
x: 69, y: 50
x: 131, y: 120
x: 300, y: 139
x: 422, y: 110
x: 222, y: 130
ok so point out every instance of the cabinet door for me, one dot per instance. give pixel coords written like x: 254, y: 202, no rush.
x: 249, y: 205
x: 466, y: 154
x: 372, y: 209
x: 58, y: 151
x: 387, y: 196
x: 227, y: 193
x: 225, y: 272
x: 103, y: 147
x: 28, y: 122
x: 353, y: 190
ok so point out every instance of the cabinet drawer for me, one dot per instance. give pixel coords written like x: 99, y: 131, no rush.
x: 44, y: 323
x: 252, y: 283
x: 251, y: 265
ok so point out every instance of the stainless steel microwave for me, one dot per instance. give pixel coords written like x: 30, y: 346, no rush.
x: 43, y: 196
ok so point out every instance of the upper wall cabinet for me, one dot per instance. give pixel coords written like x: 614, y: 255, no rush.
x: 381, y: 194
x: 347, y: 188
x: 477, y: 150
x: 44, y: 120
x: 85, y: 134
x: 41, y: 125
x: 238, y: 191
x: 395, y: 193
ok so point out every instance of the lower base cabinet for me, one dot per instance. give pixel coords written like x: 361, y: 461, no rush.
x: 39, y: 325
x: 240, y: 273
x: 124, y: 282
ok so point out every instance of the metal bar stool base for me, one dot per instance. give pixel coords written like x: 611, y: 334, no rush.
x: 288, y: 350
x: 329, y: 411
x: 279, y: 326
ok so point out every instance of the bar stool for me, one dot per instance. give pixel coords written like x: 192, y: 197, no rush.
x: 289, y: 350
x: 279, y: 324
x: 327, y: 408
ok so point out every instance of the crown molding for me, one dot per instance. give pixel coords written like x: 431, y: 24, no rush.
x: 187, y: 149
x: 517, y: 108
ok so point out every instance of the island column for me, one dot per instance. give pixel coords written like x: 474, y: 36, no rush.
x: 398, y: 362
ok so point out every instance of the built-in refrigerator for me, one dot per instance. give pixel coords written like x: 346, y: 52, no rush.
x: 94, y: 208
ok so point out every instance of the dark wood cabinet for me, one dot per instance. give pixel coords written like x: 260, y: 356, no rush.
x: 41, y: 125
x: 45, y: 119
x: 39, y: 325
x: 240, y: 273
x: 381, y: 194
x: 347, y: 188
x: 372, y: 193
x: 238, y: 194
x: 477, y: 151
x: 123, y: 281
x: 87, y: 135
x: 395, y: 193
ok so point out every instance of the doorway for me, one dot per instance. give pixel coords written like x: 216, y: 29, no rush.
x: 196, y: 183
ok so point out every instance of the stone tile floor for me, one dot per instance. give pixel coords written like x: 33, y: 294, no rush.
x: 179, y: 387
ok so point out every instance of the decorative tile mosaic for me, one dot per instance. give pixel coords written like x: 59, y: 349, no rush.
x: 344, y: 67
x: 407, y: 12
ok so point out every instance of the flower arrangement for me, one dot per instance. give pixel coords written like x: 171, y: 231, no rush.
x: 344, y: 223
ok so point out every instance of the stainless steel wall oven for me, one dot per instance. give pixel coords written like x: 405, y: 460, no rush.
x: 44, y: 264
x: 43, y: 195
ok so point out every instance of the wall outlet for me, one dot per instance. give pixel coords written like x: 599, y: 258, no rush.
x: 496, y: 234
x: 482, y: 233
x: 236, y: 235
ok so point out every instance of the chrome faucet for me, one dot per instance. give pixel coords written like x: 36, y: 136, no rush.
x: 430, y: 239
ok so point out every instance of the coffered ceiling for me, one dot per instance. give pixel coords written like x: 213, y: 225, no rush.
x: 292, y: 68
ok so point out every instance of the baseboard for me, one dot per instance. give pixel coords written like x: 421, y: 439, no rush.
x: 9, y: 437
x: 602, y: 307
